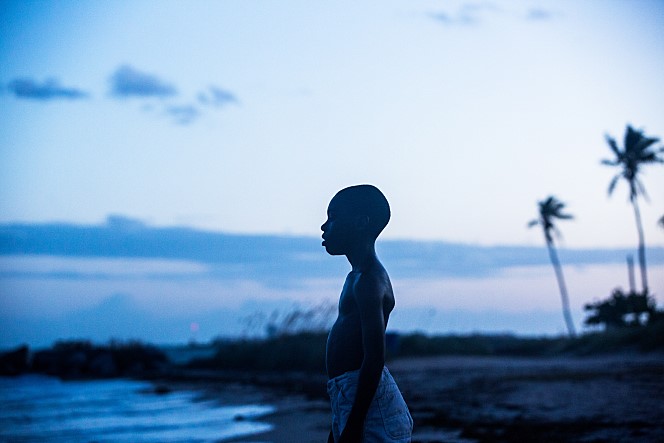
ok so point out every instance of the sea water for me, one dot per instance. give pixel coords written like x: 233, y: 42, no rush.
x: 36, y: 408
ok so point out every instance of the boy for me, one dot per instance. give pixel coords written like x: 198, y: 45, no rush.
x: 366, y: 403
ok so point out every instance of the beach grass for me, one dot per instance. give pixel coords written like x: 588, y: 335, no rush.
x: 305, y: 351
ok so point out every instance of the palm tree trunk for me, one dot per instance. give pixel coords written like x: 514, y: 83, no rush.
x: 642, y: 247
x: 630, y: 274
x: 563, y: 289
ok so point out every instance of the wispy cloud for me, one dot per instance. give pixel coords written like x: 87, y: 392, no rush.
x: 183, y: 114
x: 215, y: 96
x: 127, y: 81
x: 470, y: 13
x: 212, y: 97
x: 538, y: 14
x: 467, y: 14
x: 272, y: 258
x: 50, y: 89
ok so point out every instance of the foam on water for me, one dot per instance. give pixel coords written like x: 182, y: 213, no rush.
x: 39, y: 408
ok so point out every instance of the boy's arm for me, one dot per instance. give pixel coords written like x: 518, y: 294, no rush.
x: 368, y: 292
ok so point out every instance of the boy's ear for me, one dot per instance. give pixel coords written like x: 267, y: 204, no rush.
x: 362, y: 222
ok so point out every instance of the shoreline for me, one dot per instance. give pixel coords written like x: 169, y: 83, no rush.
x: 299, y: 408
x: 613, y: 397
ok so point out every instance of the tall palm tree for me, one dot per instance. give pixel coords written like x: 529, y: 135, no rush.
x: 551, y: 209
x: 635, y: 154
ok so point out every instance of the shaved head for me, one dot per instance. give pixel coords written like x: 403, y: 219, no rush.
x: 366, y: 200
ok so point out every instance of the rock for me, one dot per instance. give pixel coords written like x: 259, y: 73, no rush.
x: 14, y: 362
x: 82, y: 360
x: 103, y: 365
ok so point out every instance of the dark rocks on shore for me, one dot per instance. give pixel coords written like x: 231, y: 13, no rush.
x: 80, y: 359
x: 14, y: 362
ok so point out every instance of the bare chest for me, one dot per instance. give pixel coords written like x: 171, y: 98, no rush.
x: 347, y: 303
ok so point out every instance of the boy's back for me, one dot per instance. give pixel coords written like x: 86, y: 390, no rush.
x: 366, y: 402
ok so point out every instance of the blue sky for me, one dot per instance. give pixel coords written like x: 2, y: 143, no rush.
x: 247, y: 116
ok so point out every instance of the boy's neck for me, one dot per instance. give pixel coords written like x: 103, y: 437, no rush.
x: 362, y: 257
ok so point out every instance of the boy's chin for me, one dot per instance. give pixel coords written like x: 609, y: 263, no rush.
x: 332, y: 251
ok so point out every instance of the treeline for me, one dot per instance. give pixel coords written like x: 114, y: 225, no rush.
x: 305, y: 351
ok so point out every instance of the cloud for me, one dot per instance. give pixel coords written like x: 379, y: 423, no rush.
x: 270, y: 258
x: 50, y: 89
x: 183, y: 114
x: 449, y: 19
x: 211, y: 97
x: 467, y: 14
x: 216, y: 97
x: 537, y: 14
x: 129, y: 82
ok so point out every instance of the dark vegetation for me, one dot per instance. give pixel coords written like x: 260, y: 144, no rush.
x: 295, y: 341
x: 623, y: 309
x: 305, y: 352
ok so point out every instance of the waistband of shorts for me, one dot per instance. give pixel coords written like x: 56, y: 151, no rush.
x: 351, y: 376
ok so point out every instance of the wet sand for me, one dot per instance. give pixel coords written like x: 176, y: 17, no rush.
x: 612, y: 398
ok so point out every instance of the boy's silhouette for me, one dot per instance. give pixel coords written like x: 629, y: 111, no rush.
x: 366, y: 403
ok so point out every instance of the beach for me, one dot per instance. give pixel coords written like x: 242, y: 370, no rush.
x: 613, y: 397
x: 608, y: 398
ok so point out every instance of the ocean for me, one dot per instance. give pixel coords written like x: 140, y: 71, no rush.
x: 38, y: 408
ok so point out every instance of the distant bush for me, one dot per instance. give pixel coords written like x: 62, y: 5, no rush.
x: 621, y: 309
x: 475, y: 344
x: 647, y: 338
x: 306, y: 351
x: 287, y: 352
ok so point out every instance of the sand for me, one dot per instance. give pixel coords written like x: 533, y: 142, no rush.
x: 612, y: 398
x: 608, y: 398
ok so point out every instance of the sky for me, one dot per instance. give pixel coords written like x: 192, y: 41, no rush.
x: 246, y: 117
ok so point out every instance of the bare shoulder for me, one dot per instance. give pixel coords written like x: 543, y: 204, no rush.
x: 372, y: 284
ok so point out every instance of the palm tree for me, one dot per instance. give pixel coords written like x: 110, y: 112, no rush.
x: 636, y: 153
x: 551, y: 209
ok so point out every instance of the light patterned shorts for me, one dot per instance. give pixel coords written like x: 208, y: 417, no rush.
x: 388, y: 418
